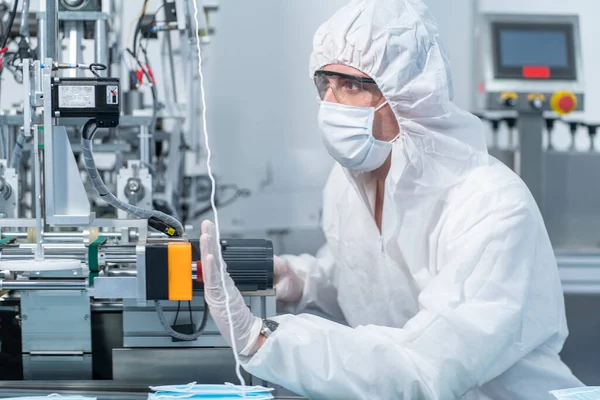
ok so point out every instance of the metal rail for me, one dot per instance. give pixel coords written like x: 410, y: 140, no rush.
x: 43, y: 285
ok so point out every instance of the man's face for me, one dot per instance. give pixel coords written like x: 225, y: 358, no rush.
x: 385, y: 125
x: 363, y: 94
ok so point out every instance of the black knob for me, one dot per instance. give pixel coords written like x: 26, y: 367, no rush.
x: 573, y: 128
x: 592, y: 130
x: 550, y: 128
x: 509, y: 102
x: 511, y: 122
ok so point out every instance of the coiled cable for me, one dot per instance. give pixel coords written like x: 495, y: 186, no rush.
x: 156, y: 219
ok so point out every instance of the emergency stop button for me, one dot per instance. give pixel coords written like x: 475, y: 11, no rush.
x: 563, y: 102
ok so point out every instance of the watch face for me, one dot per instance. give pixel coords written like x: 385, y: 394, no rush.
x: 272, y: 325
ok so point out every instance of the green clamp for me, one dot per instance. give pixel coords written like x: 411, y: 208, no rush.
x: 7, y: 240
x: 93, y: 262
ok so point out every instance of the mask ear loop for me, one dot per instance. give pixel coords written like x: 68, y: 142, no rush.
x: 381, y: 106
x: 395, y: 139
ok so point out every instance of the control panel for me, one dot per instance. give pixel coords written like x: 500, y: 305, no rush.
x: 529, y: 63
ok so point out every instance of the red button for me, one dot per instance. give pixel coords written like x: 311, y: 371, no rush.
x: 566, y: 103
x: 536, y: 72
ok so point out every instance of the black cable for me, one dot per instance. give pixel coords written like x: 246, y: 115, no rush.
x: 173, y: 332
x: 150, y: 25
x: 4, y: 8
x: 10, y: 24
x: 140, y: 64
x: 89, y: 129
x: 147, y: 37
x: 190, y: 311
x: 220, y: 204
x: 94, y: 67
x: 155, y: 104
x: 177, y: 313
x: 156, y: 220
x: 138, y: 25
x: 191, y: 316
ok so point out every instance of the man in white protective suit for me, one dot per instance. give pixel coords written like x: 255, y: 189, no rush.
x: 436, y: 257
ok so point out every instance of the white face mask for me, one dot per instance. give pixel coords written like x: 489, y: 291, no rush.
x: 348, y: 136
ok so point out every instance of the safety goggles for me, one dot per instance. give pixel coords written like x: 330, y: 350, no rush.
x: 348, y: 89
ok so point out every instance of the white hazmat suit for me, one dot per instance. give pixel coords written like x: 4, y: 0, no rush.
x: 459, y: 296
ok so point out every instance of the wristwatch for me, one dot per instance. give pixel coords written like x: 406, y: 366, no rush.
x: 268, y: 327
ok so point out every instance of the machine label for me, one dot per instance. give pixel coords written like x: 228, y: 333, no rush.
x: 112, y: 95
x: 76, y: 97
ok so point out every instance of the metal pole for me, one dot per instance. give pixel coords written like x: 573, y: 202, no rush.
x: 42, y: 285
x: 531, y: 156
x: 101, y: 44
x: 50, y: 31
x: 24, y: 28
x: 37, y: 173
x: 41, y: 50
x: 74, y: 30
x: 39, y: 218
x: 10, y: 143
x: 48, y: 189
x: 171, y: 62
x: 145, y: 146
x: 72, y: 235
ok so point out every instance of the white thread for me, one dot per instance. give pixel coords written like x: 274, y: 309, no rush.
x: 212, y: 201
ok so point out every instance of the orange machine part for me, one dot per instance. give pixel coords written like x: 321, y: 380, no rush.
x: 180, y: 271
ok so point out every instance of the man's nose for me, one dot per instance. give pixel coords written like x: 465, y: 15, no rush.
x: 330, y: 96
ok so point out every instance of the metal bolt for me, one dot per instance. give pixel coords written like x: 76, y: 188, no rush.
x: 24, y: 317
x: 134, y: 185
x: 86, y: 317
x: 73, y: 3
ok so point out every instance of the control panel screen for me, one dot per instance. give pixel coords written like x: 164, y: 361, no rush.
x: 520, y: 48
x: 534, y: 51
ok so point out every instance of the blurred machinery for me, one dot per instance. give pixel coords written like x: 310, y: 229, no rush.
x: 100, y: 268
x: 530, y: 79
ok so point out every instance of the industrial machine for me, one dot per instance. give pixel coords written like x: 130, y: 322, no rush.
x: 530, y: 80
x: 101, y: 273
x: 530, y: 65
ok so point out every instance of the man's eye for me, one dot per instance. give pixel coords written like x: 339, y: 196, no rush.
x: 352, y: 85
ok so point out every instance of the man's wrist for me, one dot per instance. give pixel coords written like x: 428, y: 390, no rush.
x: 267, y: 327
x: 254, y: 335
x: 259, y: 343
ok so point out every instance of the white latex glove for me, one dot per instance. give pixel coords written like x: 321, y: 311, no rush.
x: 288, y: 285
x: 245, y: 328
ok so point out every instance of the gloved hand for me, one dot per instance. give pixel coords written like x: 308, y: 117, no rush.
x: 245, y: 328
x: 288, y: 285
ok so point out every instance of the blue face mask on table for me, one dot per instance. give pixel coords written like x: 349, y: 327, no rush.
x: 581, y: 393
x: 194, y: 391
